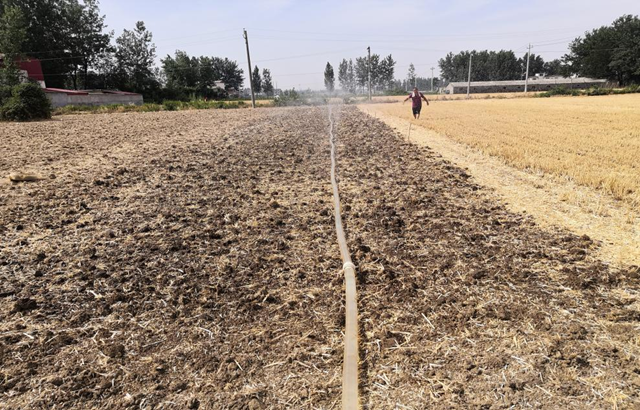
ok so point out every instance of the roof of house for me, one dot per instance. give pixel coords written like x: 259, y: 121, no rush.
x: 31, y: 65
x: 532, y: 81
x: 86, y: 92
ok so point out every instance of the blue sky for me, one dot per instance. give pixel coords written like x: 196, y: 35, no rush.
x: 296, y: 38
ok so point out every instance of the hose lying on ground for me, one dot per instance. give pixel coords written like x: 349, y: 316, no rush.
x: 350, y: 369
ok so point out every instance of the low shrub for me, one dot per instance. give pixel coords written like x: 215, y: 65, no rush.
x: 598, y: 91
x: 5, y: 94
x: 560, y: 91
x: 150, y: 107
x: 288, y: 98
x: 27, y: 102
x: 171, y: 105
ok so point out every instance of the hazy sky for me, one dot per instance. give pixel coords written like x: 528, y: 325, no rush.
x: 296, y: 38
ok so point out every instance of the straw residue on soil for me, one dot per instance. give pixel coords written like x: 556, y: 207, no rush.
x: 188, y: 260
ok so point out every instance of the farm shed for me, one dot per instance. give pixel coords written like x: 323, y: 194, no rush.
x: 535, y: 84
x: 61, y: 98
x: 31, y: 70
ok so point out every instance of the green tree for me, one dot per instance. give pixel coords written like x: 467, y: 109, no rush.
x: 361, y: 72
x: 135, y: 55
x: 229, y: 72
x: 504, y: 66
x: 256, y: 80
x: 411, y: 75
x: 486, y: 66
x: 183, y: 71
x: 374, y: 63
x: 267, y: 82
x: 536, y: 65
x: 329, y: 78
x: 610, y: 52
x: 386, y: 72
x: 12, y: 37
x: 343, y: 74
x: 86, y: 39
x: 556, y: 67
x: 47, y: 36
x: 351, y: 77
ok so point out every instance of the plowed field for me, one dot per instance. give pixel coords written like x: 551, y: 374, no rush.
x: 188, y: 260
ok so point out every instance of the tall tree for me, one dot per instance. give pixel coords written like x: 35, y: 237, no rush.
x: 611, y: 52
x: 487, y: 66
x: 329, y: 78
x: 343, y: 74
x: 183, y: 71
x: 374, y: 64
x: 267, y: 82
x: 556, y: 67
x: 411, y: 75
x: 351, y: 77
x: 13, y: 34
x: 47, y: 36
x: 135, y: 55
x: 387, y: 68
x: 257, y: 80
x: 536, y: 65
x: 87, y: 42
x: 207, y: 76
x: 229, y: 73
x: 361, y: 72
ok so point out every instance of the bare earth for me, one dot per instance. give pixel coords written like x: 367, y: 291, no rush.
x: 188, y: 260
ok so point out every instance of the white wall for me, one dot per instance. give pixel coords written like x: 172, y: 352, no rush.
x: 62, y: 99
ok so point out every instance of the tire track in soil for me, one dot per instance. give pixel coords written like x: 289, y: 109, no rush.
x: 202, y: 272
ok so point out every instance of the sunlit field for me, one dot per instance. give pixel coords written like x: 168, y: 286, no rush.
x: 594, y: 141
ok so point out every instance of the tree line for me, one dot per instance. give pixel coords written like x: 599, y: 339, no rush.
x: 355, y: 76
x: 71, y: 40
x: 609, y: 52
x: 500, y: 65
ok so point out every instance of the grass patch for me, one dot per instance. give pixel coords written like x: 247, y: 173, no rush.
x: 167, y: 105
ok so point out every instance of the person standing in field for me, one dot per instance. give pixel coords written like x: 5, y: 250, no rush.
x: 416, y: 98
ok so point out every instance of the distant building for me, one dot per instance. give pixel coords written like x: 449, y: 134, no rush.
x: 535, y: 84
x: 31, y: 70
x: 61, y: 98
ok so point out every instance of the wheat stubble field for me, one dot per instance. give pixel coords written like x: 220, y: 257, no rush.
x: 188, y: 260
x: 569, y: 162
x: 594, y: 141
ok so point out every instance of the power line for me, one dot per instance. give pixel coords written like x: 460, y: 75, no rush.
x: 200, y: 35
x: 471, y: 35
x: 307, y: 55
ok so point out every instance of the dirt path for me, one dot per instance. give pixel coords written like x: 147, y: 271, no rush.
x: 551, y: 201
x: 193, y: 264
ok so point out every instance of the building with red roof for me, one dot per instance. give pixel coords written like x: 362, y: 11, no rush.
x: 31, y: 69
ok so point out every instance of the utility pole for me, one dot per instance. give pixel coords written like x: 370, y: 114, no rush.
x: 469, y: 79
x: 526, y: 80
x: 432, y: 78
x: 253, y: 96
x: 369, y: 71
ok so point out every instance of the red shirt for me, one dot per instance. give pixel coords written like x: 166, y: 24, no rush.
x: 416, y: 99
